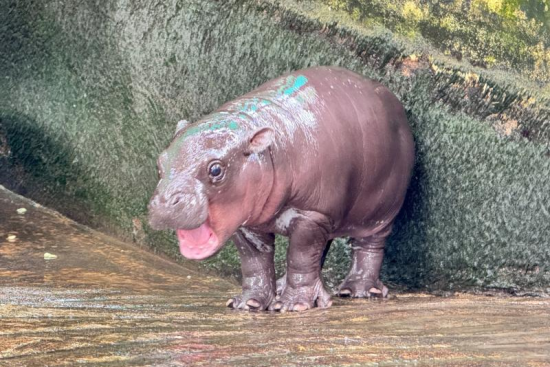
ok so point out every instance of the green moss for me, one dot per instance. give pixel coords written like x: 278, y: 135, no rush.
x: 39, y: 165
x: 509, y: 32
x: 489, y: 203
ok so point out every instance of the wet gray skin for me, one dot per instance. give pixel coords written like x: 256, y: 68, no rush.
x: 313, y: 155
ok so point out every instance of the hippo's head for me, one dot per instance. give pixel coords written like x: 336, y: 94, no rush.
x: 213, y: 178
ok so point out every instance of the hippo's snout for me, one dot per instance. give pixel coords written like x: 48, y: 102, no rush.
x: 178, y: 208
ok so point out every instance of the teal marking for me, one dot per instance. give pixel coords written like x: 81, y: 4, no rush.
x: 211, y: 126
x: 286, y: 84
x: 217, y: 122
x: 285, y: 88
x: 251, y: 105
x: 289, y: 86
x: 299, y: 82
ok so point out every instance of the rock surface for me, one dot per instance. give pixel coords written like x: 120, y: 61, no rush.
x: 105, y: 302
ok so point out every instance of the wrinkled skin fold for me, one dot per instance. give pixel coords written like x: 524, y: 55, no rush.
x: 313, y: 155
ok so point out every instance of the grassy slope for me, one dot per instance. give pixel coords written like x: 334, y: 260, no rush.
x: 511, y: 35
x: 509, y: 95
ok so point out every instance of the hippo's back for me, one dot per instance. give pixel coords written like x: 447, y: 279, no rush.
x: 367, y: 146
x: 346, y: 141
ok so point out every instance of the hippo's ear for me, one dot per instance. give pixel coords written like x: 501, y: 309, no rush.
x: 260, y: 140
x: 181, y: 125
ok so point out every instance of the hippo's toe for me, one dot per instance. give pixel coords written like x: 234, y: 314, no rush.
x: 301, y: 298
x: 250, y: 302
x: 363, y: 288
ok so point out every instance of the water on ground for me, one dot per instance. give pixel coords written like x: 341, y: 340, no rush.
x: 71, y: 296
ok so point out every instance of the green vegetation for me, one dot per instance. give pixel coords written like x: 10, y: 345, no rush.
x: 512, y: 35
x: 90, y: 94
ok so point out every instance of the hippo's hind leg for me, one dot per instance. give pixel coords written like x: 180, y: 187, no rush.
x: 303, y: 288
x: 281, y: 282
x: 367, y: 255
x: 256, y: 251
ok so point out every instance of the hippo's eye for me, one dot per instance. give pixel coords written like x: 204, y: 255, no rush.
x: 215, y: 171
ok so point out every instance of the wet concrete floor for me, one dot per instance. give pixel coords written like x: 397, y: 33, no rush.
x: 70, y: 296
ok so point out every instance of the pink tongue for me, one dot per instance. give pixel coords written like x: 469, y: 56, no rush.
x: 197, y: 235
x: 198, y: 243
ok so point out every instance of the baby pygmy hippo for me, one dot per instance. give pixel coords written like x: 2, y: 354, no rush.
x: 313, y: 155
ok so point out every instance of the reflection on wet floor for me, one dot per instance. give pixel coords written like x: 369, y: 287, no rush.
x: 99, y: 301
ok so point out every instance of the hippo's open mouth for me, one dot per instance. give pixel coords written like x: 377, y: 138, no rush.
x: 198, y: 243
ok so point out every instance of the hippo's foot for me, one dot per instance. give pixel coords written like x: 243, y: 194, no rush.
x: 251, y: 301
x: 357, y: 287
x: 301, y: 298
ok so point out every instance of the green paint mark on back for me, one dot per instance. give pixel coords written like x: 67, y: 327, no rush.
x: 299, y: 82
x: 211, y: 126
x: 291, y: 85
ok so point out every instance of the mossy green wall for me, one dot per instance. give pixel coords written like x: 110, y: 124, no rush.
x: 90, y: 93
x: 513, y: 35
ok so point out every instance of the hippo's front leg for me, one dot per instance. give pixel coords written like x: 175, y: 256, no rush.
x: 303, y: 288
x: 256, y: 251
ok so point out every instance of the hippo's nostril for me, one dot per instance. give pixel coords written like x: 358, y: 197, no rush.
x: 153, y: 203
x: 175, y: 200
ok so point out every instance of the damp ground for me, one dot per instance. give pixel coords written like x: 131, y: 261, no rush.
x: 71, y: 296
